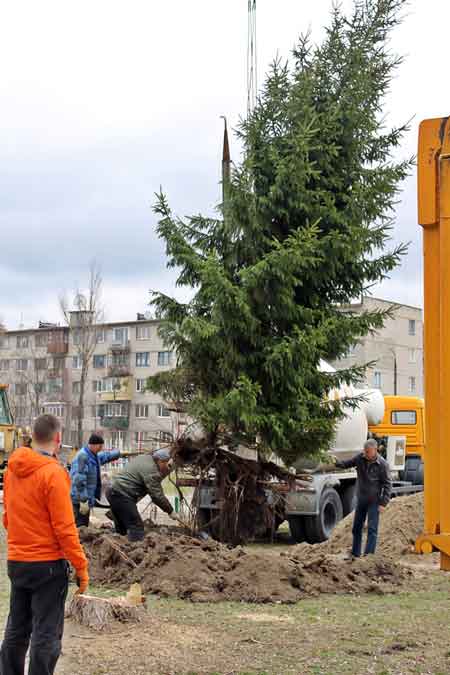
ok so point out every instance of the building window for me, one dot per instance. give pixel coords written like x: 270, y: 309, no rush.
x: 140, y: 385
x: 39, y: 387
x: 56, y: 410
x: 141, y: 411
x: 412, y: 385
x: 20, y: 389
x: 118, y: 439
x: 114, y: 410
x: 165, y: 437
x: 119, y: 360
x: 76, y: 362
x: 143, y: 332
x: 4, y: 342
x: 55, y: 386
x: 412, y: 356
x: 22, y: 341
x: 163, y: 411
x: 4, y: 364
x: 120, y: 336
x: 76, y: 337
x: 21, y: 364
x: 75, y: 388
x: 40, y: 364
x: 143, y: 437
x: 411, y: 327
x: 99, y: 361
x: 164, y: 358
x: 142, y: 359
x: 377, y: 379
x: 41, y: 340
x: 100, y: 336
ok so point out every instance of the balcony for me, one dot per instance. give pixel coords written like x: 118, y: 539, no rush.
x: 119, y: 393
x: 58, y: 342
x: 120, y: 347
x: 121, y: 370
x: 115, y: 422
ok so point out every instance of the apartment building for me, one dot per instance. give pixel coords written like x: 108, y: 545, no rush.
x: 43, y: 368
x: 396, y: 350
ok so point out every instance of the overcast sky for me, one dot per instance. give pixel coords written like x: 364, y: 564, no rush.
x: 102, y: 102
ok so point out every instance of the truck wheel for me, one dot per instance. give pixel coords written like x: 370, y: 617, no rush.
x: 349, y: 499
x: 297, y: 528
x: 318, y: 528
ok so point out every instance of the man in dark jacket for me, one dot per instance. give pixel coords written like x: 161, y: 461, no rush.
x: 142, y: 476
x: 373, y: 494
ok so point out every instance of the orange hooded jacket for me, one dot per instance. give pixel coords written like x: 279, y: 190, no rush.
x: 37, y: 511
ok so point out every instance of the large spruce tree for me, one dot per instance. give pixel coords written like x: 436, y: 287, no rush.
x: 304, y: 230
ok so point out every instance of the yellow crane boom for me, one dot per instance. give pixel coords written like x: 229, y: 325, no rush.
x: 434, y: 217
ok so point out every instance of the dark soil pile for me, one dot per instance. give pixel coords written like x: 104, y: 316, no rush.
x: 400, y: 525
x: 170, y: 564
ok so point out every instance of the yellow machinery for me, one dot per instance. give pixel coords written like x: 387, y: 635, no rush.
x: 404, y: 416
x: 434, y: 217
x: 7, y: 428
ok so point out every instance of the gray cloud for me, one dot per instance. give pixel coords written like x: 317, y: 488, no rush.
x: 96, y: 117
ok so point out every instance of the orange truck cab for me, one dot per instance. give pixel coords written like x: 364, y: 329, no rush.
x: 405, y: 416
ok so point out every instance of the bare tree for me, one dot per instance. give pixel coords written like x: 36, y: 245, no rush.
x: 86, y: 313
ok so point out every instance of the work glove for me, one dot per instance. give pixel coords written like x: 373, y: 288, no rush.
x: 82, y: 582
x: 84, y: 508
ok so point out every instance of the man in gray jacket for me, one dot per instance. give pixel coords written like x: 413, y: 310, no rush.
x: 374, y: 487
x: 142, y: 476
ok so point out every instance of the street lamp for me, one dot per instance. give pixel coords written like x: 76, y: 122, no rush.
x: 395, y: 370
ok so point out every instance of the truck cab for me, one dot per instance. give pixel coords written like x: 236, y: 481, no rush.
x: 405, y: 416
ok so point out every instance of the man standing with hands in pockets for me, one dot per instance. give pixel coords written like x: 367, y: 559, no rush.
x: 42, y: 540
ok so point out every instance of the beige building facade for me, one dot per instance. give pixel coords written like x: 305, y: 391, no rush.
x: 43, y: 368
x: 396, y: 351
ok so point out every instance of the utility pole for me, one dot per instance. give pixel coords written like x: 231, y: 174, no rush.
x: 252, y: 60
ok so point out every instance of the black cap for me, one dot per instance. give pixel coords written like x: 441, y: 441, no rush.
x: 96, y: 439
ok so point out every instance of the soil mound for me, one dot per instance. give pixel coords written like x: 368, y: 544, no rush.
x: 170, y: 564
x: 400, y: 525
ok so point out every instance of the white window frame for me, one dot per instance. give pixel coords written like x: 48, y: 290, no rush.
x: 412, y: 355
x: 124, y: 339
x: 4, y: 341
x: 98, y: 356
x: 140, y: 365
x: 160, y: 409
x: 412, y: 327
x: 100, y: 336
x: 4, y: 365
x: 140, y: 385
x: 412, y: 384
x: 22, y: 362
x: 143, y: 332
x: 76, y: 362
x: 22, y: 342
x: 377, y: 379
x: 141, y: 411
x: 164, y: 358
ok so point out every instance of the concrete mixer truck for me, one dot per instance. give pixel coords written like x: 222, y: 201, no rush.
x: 314, y: 501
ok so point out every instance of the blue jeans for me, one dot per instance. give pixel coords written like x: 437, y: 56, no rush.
x: 371, y: 512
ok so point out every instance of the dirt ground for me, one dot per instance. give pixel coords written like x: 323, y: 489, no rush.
x: 329, y: 631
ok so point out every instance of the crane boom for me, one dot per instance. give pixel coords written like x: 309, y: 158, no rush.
x: 434, y: 217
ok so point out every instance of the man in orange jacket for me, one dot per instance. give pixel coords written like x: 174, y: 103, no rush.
x: 42, y: 540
